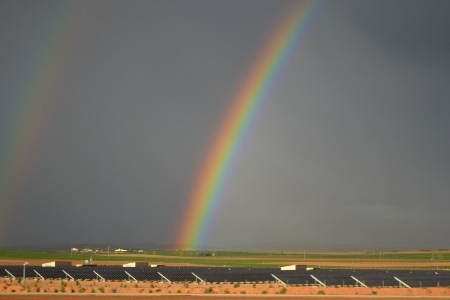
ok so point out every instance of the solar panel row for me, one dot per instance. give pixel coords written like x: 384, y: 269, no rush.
x: 328, y: 277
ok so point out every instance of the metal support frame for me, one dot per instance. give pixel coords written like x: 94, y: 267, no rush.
x: 204, y: 282
x: 317, y: 280
x: 358, y: 281
x: 130, y: 276
x: 279, y: 280
x: 402, y: 283
x: 10, y: 274
x: 98, y: 275
x: 164, y: 278
x: 68, y: 275
x: 38, y: 275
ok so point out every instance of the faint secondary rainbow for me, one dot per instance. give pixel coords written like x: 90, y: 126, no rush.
x: 32, y: 105
x: 232, y: 132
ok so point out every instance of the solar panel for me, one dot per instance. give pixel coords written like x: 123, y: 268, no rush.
x: 330, y: 277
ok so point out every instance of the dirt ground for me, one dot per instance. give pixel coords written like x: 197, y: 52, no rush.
x: 198, y: 297
x: 83, y: 290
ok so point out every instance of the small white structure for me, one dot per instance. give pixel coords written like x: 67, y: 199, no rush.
x: 294, y: 267
x: 58, y: 263
x: 136, y: 264
x: 120, y: 250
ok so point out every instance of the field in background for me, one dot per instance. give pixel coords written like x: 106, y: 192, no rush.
x: 424, y: 259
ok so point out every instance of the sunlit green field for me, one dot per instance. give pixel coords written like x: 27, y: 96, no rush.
x: 411, y: 259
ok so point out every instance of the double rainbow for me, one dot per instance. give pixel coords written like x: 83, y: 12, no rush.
x: 233, y: 130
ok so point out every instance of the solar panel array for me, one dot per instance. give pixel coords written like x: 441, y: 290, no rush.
x: 327, y: 277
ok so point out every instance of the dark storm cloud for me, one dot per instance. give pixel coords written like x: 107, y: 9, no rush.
x: 351, y: 149
x: 354, y: 143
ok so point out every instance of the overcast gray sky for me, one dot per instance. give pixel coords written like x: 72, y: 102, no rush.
x: 107, y: 109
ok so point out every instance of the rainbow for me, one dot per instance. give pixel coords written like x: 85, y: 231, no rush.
x: 233, y: 130
x: 33, y: 104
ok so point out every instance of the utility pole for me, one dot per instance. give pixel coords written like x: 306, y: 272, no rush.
x: 24, y: 266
